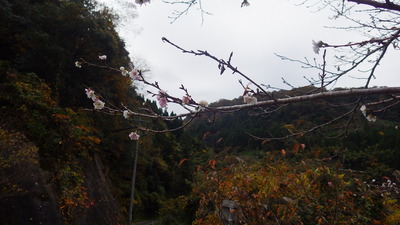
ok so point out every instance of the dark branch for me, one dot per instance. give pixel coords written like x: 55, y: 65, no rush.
x: 387, y: 5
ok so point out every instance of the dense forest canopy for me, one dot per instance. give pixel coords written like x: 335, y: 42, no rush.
x: 64, y: 160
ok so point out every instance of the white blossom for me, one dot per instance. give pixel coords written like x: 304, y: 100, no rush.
x: 371, y: 118
x: 78, y: 64
x: 102, y: 57
x: 90, y: 94
x: 98, y: 104
x: 134, y: 74
x: 124, y: 72
x: 126, y: 114
x: 363, y: 109
x: 249, y: 99
x: 203, y: 103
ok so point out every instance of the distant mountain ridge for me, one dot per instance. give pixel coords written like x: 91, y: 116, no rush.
x: 237, y: 130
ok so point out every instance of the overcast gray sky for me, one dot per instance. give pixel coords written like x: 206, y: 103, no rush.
x: 253, y: 33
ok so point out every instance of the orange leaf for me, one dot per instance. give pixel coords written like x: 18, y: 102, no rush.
x: 264, y: 141
x: 296, y: 147
x: 212, y: 163
x: 180, y: 163
x: 299, y: 122
x: 289, y: 127
x: 283, y: 152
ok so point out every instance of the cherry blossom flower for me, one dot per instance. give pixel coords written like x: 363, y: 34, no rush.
x: 317, y: 46
x: 371, y: 118
x: 134, y: 74
x: 249, y: 99
x: 98, y: 104
x: 124, y: 72
x: 162, y: 100
x: 186, y: 100
x: 134, y: 136
x: 90, y: 94
x: 78, y: 64
x: 203, y: 103
x: 126, y: 114
x: 102, y: 57
x: 363, y: 109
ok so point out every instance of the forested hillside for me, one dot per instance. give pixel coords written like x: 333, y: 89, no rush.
x: 368, y: 145
x: 63, y: 162
x: 60, y: 163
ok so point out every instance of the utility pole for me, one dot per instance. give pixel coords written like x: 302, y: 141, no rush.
x: 133, y: 181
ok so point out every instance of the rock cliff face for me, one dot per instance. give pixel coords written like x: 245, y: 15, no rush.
x: 30, y: 195
x: 36, y: 206
x: 27, y: 197
x: 105, y: 208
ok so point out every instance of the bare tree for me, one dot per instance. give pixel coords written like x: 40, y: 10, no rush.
x: 380, y: 28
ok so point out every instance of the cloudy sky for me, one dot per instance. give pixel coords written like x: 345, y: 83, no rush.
x: 254, y: 34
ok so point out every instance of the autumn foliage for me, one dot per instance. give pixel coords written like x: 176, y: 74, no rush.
x: 276, y: 191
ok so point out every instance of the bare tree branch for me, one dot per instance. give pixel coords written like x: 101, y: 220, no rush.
x: 387, y: 5
x: 222, y: 64
x: 311, y: 97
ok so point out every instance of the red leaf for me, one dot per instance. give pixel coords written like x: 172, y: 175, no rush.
x: 299, y: 122
x: 180, y: 163
x: 212, y: 163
